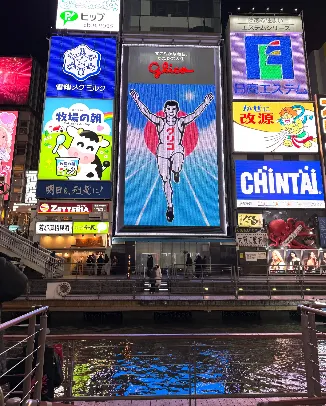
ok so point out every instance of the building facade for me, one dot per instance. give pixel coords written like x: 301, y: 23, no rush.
x: 317, y: 68
x: 22, y: 91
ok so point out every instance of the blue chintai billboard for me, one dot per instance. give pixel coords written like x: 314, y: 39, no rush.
x: 279, y: 184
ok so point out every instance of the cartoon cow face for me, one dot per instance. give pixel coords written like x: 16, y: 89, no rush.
x: 85, y: 145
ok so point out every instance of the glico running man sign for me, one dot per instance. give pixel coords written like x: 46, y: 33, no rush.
x: 280, y: 184
x: 170, y: 141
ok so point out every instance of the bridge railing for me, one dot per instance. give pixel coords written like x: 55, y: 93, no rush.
x: 313, y: 352
x: 100, y: 367
x: 30, y: 362
x: 289, y: 287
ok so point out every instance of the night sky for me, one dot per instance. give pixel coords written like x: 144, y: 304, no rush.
x: 26, y: 25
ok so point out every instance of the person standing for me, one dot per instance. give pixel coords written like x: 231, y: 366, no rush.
x: 100, y: 264
x: 152, y: 280
x: 189, y: 266
x: 158, y: 278
x: 198, y: 266
x: 150, y: 263
x: 106, y: 265
x: 204, y: 266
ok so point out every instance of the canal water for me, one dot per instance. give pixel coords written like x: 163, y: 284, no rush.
x: 180, y: 367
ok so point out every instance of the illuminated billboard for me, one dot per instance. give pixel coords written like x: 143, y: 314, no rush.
x: 171, y: 171
x: 279, y: 184
x: 30, y: 192
x: 274, y: 127
x: 268, y: 66
x: 263, y: 23
x: 57, y: 227
x: 90, y: 227
x: 82, y: 67
x: 8, y: 124
x: 71, y: 208
x: 85, y: 15
x: 69, y: 227
x: 76, y: 146
x: 15, y: 79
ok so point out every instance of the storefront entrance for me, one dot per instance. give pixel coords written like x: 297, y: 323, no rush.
x: 169, y: 254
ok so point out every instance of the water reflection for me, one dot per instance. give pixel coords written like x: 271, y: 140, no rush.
x: 107, y: 368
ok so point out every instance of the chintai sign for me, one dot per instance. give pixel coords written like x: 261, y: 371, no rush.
x: 281, y: 184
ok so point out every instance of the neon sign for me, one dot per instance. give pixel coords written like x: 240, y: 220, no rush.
x: 155, y: 69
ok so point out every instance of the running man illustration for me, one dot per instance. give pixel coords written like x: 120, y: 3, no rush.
x: 170, y: 153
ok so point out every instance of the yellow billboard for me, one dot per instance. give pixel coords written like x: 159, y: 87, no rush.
x: 274, y: 127
x: 250, y: 220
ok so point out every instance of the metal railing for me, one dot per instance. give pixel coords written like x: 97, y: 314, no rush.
x: 99, y: 367
x: 311, y: 349
x: 135, y: 286
x: 30, y: 362
x: 39, y: 258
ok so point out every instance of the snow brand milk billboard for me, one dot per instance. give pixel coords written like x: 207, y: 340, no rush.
x: 76, y: 148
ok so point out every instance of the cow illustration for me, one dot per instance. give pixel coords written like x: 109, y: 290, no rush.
x: 84, y: 145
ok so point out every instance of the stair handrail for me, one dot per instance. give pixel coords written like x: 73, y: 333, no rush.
x: 25, y: 249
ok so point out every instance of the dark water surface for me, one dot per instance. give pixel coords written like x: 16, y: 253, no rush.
x: 179, y: 367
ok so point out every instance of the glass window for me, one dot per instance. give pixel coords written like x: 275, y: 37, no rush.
x: 169, y: 8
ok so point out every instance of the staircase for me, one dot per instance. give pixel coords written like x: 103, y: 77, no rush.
x: 39, y: 259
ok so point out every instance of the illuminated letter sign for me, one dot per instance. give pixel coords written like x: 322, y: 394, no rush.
x: 282, y: 184
x: 155, y: 69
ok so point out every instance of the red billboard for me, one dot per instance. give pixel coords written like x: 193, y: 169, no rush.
x: 15, y: 79
x: 8, y: 124
x: 71, y: 208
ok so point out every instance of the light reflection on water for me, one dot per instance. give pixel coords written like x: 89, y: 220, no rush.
x: 179, y: 367
x: 167, y: 368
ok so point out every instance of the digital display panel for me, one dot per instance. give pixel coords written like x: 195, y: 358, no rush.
x: 85, y: 15
x: 15, y: 79
x: 268, y: 66
x: 171, y: 141
x: 280, y: 184
x: 76, y: 149
x: 274, y: 127
x: 8, y: 124
x: 82, y: 67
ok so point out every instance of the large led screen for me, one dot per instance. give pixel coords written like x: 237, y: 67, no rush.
x: 279, y: 184
x: 8, y: 124
x: 76, y: 149
x: 274, y: 127
x: 82, y: 67
x: 268, y: 66
x: 86, y: 15
x: 171, y: 141
x: 15, y: 79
